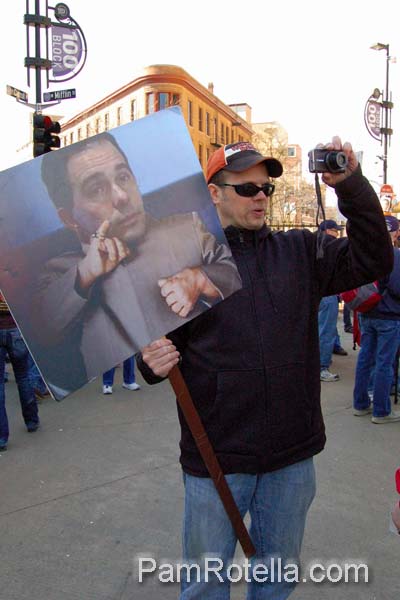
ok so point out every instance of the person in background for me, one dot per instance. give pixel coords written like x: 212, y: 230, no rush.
x: 337, y: 346
x: 329, y: 341
x: 11, y: 342
x: 380, y: 335
x: 348, y: 325
x: 129, y: 382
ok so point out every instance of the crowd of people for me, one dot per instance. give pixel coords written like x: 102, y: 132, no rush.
x: 377, y: 366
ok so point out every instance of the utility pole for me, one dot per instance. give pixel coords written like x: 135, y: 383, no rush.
x: 69, y: 49
x: 387, y: 105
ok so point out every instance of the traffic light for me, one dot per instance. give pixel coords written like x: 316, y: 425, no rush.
x: 44, y: 139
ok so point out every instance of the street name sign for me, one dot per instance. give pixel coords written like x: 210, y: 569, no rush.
x: 18, y: 94
x: 59, y: 95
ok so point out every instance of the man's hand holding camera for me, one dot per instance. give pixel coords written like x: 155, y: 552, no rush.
x: 334, y: 160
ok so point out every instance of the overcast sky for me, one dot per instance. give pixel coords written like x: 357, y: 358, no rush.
x: 305, y: 63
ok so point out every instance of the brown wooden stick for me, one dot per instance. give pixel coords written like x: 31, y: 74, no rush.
x: 203, y: 443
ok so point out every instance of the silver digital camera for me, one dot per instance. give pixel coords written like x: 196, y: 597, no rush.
x: 326, y: 161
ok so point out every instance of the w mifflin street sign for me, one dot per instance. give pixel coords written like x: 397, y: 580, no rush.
x: 59, y: 95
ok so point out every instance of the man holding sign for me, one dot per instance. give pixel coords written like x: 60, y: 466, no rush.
x: 251, y: 365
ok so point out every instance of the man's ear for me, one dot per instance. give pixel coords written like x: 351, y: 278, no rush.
x: 67, y: 219
x: 215, y: 192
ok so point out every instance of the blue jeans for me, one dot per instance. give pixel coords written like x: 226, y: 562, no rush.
x: 128, y: 372
x: 35, y: 377
x: 346, y: 315
x: 337, y: 344
x: 371, y: 379
x: 379, y: 343
x: 327, y: 328
x: 11, y: 341
x: 277, y: 502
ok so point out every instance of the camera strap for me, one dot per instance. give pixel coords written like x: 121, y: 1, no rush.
x: 320, y: 208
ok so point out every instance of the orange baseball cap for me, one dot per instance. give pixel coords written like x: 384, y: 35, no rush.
x: 239, y: 157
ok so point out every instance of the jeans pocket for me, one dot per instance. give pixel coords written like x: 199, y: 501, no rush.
x: 18, y: 346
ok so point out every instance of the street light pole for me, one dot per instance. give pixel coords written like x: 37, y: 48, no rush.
x: 386, y: 128
x: 387, y: 106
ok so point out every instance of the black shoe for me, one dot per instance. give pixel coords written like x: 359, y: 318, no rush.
x: 349, y: 329
x: 3, y: 448
x: 32, y: 427
x: 340, y: 351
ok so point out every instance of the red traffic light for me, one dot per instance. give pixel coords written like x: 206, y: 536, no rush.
x: 44, y: 139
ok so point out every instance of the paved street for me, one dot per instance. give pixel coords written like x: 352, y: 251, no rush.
x: 100, y: 483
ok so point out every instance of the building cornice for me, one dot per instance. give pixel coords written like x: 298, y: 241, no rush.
x: 160, y: 74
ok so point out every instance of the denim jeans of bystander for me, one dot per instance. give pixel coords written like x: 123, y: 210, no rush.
x: 11, y: 342
x: 327, y: 329
x: 379, y: 343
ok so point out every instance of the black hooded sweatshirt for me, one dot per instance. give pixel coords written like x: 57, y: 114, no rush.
x: 251, y: 363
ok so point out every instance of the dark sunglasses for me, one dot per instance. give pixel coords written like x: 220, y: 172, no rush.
x: 250, y: 189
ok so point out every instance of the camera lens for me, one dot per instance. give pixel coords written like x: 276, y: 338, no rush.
x: 336, y: 161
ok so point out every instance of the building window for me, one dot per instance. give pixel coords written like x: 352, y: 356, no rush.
x: 222, y: 134
x: 200, y: 119
x: 190, y: 113
x: 150, y: 100
x: 291, y: 151
x: 106, y: 122
x: 97, y: 128
x: 163, y: 100
x: 71, y: 137
x: 232, y: 136
x: 201, y: 154
x: 79, y: 134
x: 227, y: 134
x: 207, y: 154
x: 133, y: 110
x: 160, y: 100
x: 87, y: 130
x: 207, y: 123
x: 119, y: 115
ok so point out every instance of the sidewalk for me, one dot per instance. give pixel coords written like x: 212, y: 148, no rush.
x: 100, y: 483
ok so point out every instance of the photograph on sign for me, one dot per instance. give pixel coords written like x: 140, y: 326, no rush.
x: 108, y: 244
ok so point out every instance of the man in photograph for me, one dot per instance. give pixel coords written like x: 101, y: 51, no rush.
x: 135, y: 277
